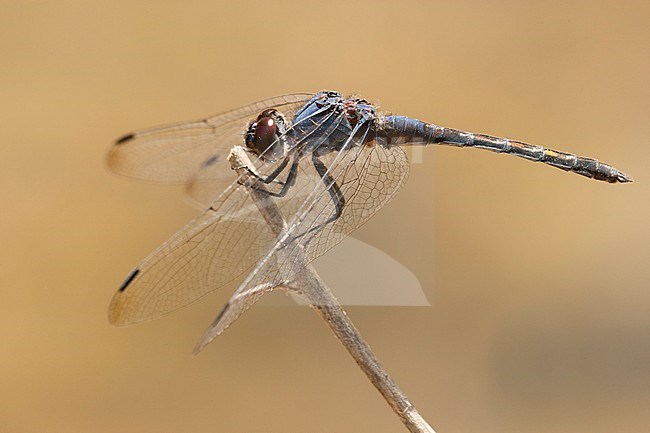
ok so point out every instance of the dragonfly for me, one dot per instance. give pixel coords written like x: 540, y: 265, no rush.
x: 328, y: 162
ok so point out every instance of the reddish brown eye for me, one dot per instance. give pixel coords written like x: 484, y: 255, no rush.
x: 264, y: 134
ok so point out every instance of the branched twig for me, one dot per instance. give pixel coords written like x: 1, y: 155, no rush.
x: 309, y: 284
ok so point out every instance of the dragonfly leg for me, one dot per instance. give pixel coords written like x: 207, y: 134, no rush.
x: 271, y: 177
x: 288, y: 183
x: 334, y: 191
x: 332, y: 188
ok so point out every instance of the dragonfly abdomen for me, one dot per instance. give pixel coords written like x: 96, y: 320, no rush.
x: 405, y: 130
x: 398, y: 130
x: 584, y: 166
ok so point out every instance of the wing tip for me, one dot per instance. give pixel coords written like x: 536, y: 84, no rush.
x: 116, y: 309
x: 215, y: 329
x: 125, y: 138
x: 129, y: 279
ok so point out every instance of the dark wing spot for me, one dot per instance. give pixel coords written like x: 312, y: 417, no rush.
x: 129, y: 279
x: 124, y: 139
x: 210, y: 161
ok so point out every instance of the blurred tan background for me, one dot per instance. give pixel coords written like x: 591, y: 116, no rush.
x: 538, y: 279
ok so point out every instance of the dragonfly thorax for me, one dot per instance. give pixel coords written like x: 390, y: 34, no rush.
x: 265, y: 136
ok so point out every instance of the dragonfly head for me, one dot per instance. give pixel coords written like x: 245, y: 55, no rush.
x: 265, y: 136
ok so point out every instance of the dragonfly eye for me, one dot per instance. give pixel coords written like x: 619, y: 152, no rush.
x: 263, y: 139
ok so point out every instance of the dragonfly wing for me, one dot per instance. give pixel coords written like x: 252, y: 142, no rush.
x: 200, y: 194
x: 219, y: 245
x: 195, y: 150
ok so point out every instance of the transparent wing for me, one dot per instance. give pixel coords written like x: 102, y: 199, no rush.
x: 201, y: 193
x: 369, y: 176
x: 224, y: 242
x: 209, y: 252
x: 191, y: 151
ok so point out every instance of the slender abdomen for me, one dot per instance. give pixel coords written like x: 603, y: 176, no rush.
x: 402, y: 130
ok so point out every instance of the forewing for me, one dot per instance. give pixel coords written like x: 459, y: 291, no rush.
x: 192, y: 151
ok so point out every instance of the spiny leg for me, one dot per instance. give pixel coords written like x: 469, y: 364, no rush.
x: 332, y: 188
x: 288, y: 183
x: 271, y: 177
x: 334, y: 191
